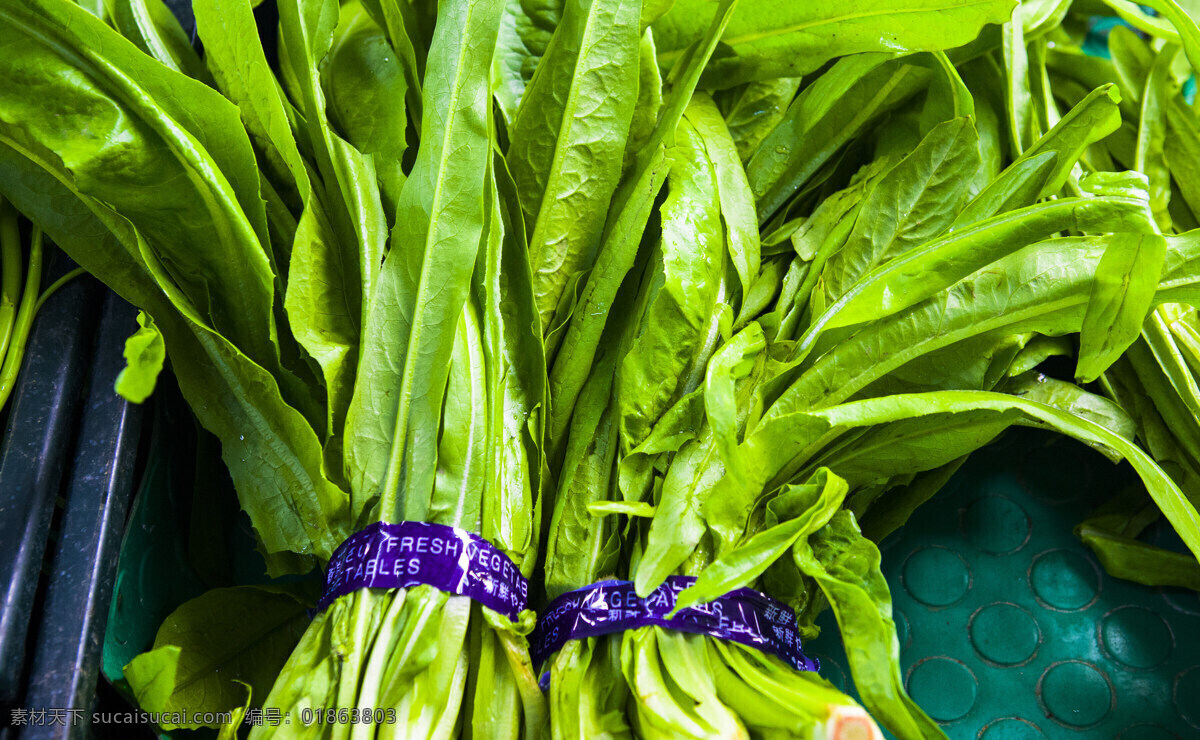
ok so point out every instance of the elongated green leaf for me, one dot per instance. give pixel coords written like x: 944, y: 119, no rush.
x: 568, y: 140
x: 737, y: 202
x: 1042, y: 288
x: 581, y: 548
x: 1128, y: 558
x: 350, y: 191
x: 1122, y: 294
x: 769, y: 40
x: 514, y: 63
x: 757, y: 110
x: 462, y: 453
x: 678, y: 426
x: 846, y: 567
x: 514, y: 497
x: 1182, y: 26
x: 408, y: 33
x: 948, y: 97
x: 366, y: 92
x: 623, y: 234
x: 852, y: 94
x: 272, y: 452
x: 649, y: 100
x: 1045, y: 166
x: 921, y: 272
x: 680, y: 296
x: 678, y: 524
x: 1182, y: 152
x: 893, y: 510
x: 340, y: 236
x: 183, y: 172
x: 393, y: 422
x: 152, y: 26
x: 1152, y: 132
x: 239, y: 66
x: 1069, y: 397
x: 815, y: 503
x: 802, y: 435
x: 913, y: 202
x: 731, y: 363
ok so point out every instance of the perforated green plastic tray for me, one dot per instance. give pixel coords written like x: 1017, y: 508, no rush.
x: 1010, y: 629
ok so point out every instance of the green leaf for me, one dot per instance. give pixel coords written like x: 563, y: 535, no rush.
x: 238, y: 64
x: 1122, y: 294
x: 568, y: 141
x: 684, y: 283
x: 408, y: 26
x: 581, y: 548
x: 333, y: 274
x: 846, y: 567
x: 948, y: 97
x: 892, y: 511
x: 678, y: 523
x: 1126, y: 557
x: 1069, y: 397
x: 1178, y: 510
x: 627, y: 508
x: 145, y: 353
x: 366, y: 89
x: 679, y: 425
x: 854, y: 93
x: 271, y: 450
x: 757, y: 110
x: 937, y: 264
x: 731, y: 363
x: 914, y: 201
x: 518, y: 482
x: 213, y: 647
x: 628, y: 216
x: 152, y: 26
x: 1152, y: 132
x: 649, y: 100
x: 1019, y: 99
x: 1043, y: 168
x: 768, y: 40
x: 510, y: 75
x: 394, y: 417
x: 462, y: 451
x: 184, y: 174
x: 1182, y: 28
x: 813, y: 505
x: 1043, y: 288
x: 733, y: 189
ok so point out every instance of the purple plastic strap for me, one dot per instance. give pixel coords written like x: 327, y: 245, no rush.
x: 744, y: 616
x: 415, y: 553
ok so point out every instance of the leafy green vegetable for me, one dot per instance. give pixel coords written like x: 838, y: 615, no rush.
x: 568, y: 140
x: 767, y: 41
x: 144, y: 356
x: 217, y: 652
x: 707, y: 284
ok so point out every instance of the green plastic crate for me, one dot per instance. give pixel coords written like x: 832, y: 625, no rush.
x: 1010, y: 629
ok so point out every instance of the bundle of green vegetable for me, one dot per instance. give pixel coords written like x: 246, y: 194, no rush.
x: 355, y: 324
x: 742, y: 284
x: 926, y: 243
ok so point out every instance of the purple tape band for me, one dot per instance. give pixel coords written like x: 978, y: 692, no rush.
x: 419, y: 553
x: 744, y: 616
